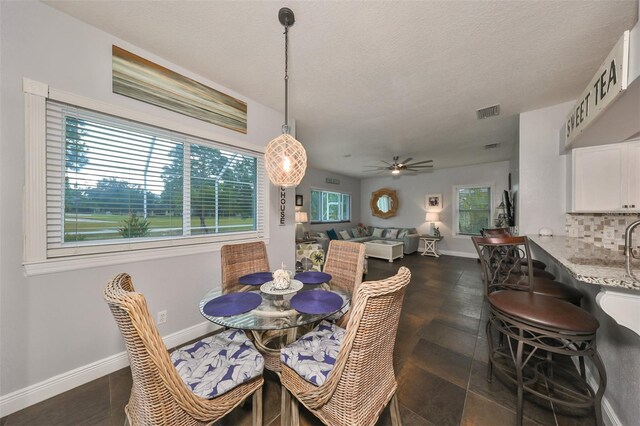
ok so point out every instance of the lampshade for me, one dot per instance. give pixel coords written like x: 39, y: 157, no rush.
x: 432, y: 217
x: 302, y: 217
x: 285, y: 161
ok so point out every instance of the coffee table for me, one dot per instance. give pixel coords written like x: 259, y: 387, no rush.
x: 389, y: 250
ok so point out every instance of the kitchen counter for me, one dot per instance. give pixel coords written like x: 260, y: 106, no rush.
x: 587, y: 262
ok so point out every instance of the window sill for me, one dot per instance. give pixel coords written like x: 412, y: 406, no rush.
x: 72, y: 263
x: 328, y: 223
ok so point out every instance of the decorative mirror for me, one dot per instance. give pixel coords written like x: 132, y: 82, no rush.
x: 384, y: 203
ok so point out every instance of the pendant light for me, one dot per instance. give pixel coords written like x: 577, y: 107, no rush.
x: 285, y: 157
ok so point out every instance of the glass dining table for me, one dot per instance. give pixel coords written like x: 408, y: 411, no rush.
x: 274, y: 323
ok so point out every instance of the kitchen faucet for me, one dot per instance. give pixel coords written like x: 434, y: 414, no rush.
x: 628, y: 248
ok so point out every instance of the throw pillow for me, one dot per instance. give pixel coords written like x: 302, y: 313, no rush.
x: 331, y: 233
x: 322, y: 235
x: 402, y: 233
x: 392, y: 234
x: 345, y: 235
x: 377, y: 232
x: 356, y: 232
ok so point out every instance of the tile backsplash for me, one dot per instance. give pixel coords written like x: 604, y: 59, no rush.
x: 601, y: 229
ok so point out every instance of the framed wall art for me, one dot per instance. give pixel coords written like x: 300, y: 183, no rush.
x: 299, y: 200
x: 434, y: 201
x: 146, y: 81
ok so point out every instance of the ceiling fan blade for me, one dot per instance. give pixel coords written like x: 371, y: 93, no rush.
x: 420, y: 162
x: 424, y: 166
x: 389, y: 164
x: 406, y: 161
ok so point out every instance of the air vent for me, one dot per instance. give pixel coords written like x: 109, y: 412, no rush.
x: 491, y: 146
x: 487, y: 112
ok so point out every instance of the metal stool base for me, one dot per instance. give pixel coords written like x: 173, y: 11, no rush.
x: 525, y: 357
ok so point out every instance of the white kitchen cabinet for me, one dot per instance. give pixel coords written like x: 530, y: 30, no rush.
x: 605, y: 178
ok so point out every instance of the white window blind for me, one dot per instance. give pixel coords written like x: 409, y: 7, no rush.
x: 114, y: 184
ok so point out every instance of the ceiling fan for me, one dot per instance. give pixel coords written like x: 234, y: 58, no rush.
x: 397, y: 166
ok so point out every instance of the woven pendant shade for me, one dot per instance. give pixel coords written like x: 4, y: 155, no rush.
x: 285, y: 161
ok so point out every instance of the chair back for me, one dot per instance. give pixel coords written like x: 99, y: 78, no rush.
x: 239, y: 260
x: 363, y: 379
x: 151, y: 401
x: 345, y: 263
x: 500, y: 259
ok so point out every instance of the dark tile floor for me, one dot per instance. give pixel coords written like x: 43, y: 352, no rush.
x: 440, y: 361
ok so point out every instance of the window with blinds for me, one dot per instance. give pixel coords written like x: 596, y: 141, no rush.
x: 328, y: 206
x: 115, y: 184
x: 472, y: 210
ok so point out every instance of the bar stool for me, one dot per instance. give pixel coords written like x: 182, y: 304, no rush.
x: 502, y: 261
x: 534, y: 327
x: 504, y: 232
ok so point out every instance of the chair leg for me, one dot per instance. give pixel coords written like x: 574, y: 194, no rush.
x: 295, y: 412
x: 285, y: 407
x: 257, y: 407
x: 519, y: 368
x: 490, y: 346
x: 394, y: 409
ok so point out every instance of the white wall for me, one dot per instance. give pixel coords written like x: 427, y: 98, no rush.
x: 316, y: 179
x: 543, y: 171
x: 412, y: 190
x: 51, y: 324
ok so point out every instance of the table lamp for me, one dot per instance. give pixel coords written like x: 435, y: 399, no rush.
x: 301, y: 217
x: 433, y: 217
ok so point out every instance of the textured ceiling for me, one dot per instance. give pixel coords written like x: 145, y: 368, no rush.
x: 378, y: 79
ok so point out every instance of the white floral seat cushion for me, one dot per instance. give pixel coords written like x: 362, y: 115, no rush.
x: 217, y: 364
x: 314, y: 354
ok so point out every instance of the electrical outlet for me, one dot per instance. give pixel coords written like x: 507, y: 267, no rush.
x: 609, y: 233
x: 162, y: 317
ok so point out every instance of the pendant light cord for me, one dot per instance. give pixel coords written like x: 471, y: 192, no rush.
x: 286, y: 77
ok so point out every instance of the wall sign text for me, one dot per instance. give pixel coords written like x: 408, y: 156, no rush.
x: 606, y: 85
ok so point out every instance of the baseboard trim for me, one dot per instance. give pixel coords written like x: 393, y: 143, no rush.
x: 459, y: 254
x: 56, y: 385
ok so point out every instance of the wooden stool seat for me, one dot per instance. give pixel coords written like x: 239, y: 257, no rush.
x: 546, y: 287
x: 536, y: 263
x: 541, y: 273
x: 544, y: 311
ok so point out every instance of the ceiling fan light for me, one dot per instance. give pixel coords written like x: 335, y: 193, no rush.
x: 395, y: 172
x: 285, y: 161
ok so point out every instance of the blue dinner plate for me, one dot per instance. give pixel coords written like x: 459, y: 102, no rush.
x: 232, y: 304
x: 257, y: 278
x: 316, y: 302
x: 313, y: 277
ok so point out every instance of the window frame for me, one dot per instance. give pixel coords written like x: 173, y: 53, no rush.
x: 455, y: 228
x: 36, y: 259
x: 322, y: 190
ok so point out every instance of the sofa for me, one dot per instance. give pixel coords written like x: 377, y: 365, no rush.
x: 361, y: 234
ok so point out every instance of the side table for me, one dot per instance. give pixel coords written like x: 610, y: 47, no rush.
x: 430, y: 245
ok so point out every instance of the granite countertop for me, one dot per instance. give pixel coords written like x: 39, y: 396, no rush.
x: 589, y: 263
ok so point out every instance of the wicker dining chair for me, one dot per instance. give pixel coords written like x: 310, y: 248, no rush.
x: 159, y: 395
x: 362, y: 381
x: 345, y: 263
x: 239, y: 260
